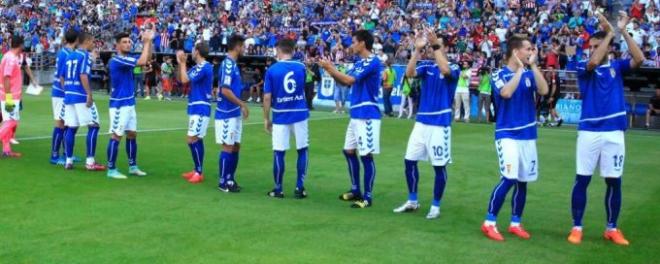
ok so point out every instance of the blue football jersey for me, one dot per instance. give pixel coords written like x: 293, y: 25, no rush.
x: 603, y: 101
x: 201, y: 85
x: 285, y: 81
x: 121, y: 79
x: 364, y: 93
x: 229, y: 77
x: 437, y: 94
x: 516, y: 116
x: 77, y: 63
x: 60, y: 67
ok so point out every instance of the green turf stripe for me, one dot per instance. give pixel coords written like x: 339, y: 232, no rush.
x: 212, y: 124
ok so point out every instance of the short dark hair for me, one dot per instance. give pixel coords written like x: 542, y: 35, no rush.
x: 286, y: 46
x: 16, y: 41
x: 70, y: 36
x: 235, y: 41
x: 84, y: 36
x: 121, y: 35
x: 202, y: 48
x: 514, y: 42
x: 599, y: 35
x: 364, y: 35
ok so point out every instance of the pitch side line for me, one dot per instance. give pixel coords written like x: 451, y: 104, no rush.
x: 175, y: 129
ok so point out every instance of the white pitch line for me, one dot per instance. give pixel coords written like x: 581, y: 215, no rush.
x: 173, y: 129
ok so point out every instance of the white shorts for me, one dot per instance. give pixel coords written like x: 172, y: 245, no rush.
x: 197, y: 126
x: 518, y: 159
x: 13, y: 115
x: 363, y: 135
x: 228, y: 131
x: 122, y: 119
x: 432, y: 143
x: 76, y: 115
x: 607, y: 148
x: 281, y: 135
x: 58, y: 108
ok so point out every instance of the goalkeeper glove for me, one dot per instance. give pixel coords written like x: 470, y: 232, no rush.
x: 9, y: 103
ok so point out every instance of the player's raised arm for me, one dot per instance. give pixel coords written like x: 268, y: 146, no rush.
x: 539, y: 79
x: 519, y: 54
x: 411, y: 69
x: 511, y: 86
x: 635, y: 51
x: 438, y: 53
x: 601, y: 52
x: 335, y: 74
x: 182, y: 58
x: 147, y: 47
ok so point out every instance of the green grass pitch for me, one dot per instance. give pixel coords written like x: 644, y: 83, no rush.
x: 48, y: 215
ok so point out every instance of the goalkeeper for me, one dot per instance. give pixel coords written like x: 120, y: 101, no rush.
x: 11, y: 80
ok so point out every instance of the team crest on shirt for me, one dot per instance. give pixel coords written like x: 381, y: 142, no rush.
x: 612, y: 72
x: 528, y: 82
x: 508, y: 168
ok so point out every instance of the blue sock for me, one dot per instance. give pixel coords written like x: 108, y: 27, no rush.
x: 353, y: 172
x: 62, y: 142
x: 613, y: 201
x: 302, y: 168
x: 518, y: 201
x: 579, y: 198
x: 92, y: 136
x: 113, y: 148
x: 278, y: 169
x: 197, y: 151
x: 497, y: 198
x: 131, y: 151
x: 369, y: 176
x: 234, y: 164
x: 58, y: 137
x: 440, y: 182
x: 224, y: 163
x: 412, y: 178
x: 69, y: 141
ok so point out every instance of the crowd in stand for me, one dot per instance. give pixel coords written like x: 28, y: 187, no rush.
x: 476, y: 30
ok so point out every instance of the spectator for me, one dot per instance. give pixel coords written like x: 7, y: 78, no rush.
x: 166, y: 74
x: 388, y: 84
x: 256, y: 90
x: 462, y: 97
x: 139, y: 81
x: 484, y: 94
x: 406, y: 99
x: 654, y: 107
x: 552, y: 78
x: 147, y: 72
x: 340, y: 93
x: 310, y: 78
x: 637, y: 33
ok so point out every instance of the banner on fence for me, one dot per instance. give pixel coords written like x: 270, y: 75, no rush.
x: 569, y: 110
x: 326, y: 89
